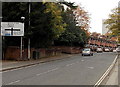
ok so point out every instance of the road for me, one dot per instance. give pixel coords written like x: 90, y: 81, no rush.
x: 76, y: 70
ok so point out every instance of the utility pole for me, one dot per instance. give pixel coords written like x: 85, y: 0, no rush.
x: 21, y: 49
x: 21, y: 46
x: 1, y: 51
x: 29, y: 29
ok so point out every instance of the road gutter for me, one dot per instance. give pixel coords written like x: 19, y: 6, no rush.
x: 99, y: 82
x: 31, y: 64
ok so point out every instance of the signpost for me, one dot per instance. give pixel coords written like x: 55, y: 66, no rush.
x: 13, y: 29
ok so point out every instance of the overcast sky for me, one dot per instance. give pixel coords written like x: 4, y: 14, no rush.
x: 98, y: 10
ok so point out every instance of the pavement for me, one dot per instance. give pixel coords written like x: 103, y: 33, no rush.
x: 113, y: 78
x: 8, y: 65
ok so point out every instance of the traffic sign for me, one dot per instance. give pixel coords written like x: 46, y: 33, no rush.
x: 12, y: 29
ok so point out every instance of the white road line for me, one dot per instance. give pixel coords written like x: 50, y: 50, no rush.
x: 13, y: 82
x: 106, y: 73
x: 21, y: 68
x: 82, y: 60
x: 36, y: 65
x: 47, y: 71
x: 53, y: 70
x: 91, y: 67
x: 33, y: 65
x: 86, y: 57
x: 29, y: 66
x: 39, y: 74
x: 70, y: 64
x: 12, y: 70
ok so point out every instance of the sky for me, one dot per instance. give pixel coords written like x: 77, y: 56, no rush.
x: 98, y: 10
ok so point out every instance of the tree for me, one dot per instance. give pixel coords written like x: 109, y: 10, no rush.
x: 57, y: 22
x: 46, y: 22
x: 82, y: 18
x: 49, y: 21
x: 71, y: 5
x: 73, y: 35
x: 11, y: 14
x: 113, y: 22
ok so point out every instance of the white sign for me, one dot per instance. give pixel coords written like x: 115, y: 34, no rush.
x: 12, y: 29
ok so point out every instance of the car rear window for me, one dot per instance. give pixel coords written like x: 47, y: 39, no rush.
x: 86, y: 49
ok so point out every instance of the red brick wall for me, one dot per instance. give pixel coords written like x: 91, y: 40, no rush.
x: 66, y: 49
x: 12, y: 53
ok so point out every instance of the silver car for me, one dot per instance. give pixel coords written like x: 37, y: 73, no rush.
x: 118, y: 50
x: 87, y: 51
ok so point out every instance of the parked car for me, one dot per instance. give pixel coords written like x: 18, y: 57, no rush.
x: 87, y: 51
x: 118, y: 49
x: 106, y: 50
x: 114, y: 50
x: 99, y: 50
x: 111, y: 49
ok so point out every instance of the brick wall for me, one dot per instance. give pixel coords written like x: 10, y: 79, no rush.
x: 71, y: 50
x: 13, y: 53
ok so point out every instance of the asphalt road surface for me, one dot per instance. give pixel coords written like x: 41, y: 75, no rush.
x: 76, y: 70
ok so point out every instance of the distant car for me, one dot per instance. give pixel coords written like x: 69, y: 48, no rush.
x: 106, y: 50
x: 99, y: 50
x: 118, y: 49
x: 87, y: 51
x: 114, y: 50
x: 111, y: 49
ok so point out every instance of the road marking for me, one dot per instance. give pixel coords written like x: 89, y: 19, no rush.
x: 86, y: 57
x: 82, y: 60
x: 106, y: 73
x: 21, y: 68
x: 12, y: 70
x: 52, y: 70
x: 13, y: 82
x: 39, y: 74
x: 29, y: 66
x: 91, y: 67
x: 47, y: 71
x: 70, y: 64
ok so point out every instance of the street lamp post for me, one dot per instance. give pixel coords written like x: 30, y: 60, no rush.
x: 23, y: 18
x: 29, y: 29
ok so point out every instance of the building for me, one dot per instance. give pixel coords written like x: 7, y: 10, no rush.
x: 96, y: 40
x: 104, y: 29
